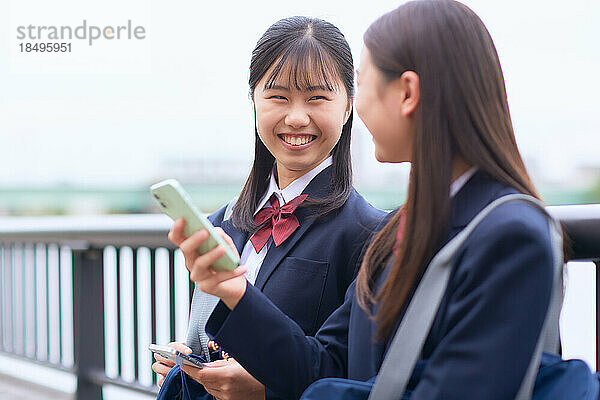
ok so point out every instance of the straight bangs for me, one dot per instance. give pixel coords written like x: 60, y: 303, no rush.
x: 305, y: 66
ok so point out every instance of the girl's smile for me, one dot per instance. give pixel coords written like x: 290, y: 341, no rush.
x: 300, y: 126
x: 297, y: 142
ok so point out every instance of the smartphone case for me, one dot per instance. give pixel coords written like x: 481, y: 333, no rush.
x: 176, y: 203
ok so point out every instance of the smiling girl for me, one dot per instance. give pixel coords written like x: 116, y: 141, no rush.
x: 298, y: 223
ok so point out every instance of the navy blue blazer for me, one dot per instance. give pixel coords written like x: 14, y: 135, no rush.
x: 307, y: 275
x: 481, y: 340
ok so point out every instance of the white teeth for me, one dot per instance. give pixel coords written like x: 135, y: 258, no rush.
x: 296, y: 140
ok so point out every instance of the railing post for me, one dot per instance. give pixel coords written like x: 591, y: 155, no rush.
x: 597, y: 262
x: 88, y: 313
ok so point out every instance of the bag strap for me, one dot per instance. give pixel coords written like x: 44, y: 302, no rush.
x: 549, y: 340
x: 203, y: 304
x: 407, y: 344
x: 202, y: 307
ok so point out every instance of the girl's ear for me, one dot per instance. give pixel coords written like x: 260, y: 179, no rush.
x: 411, y: 89
x: 254, y: 115
x: 404, y: 93
x: 347, y: 112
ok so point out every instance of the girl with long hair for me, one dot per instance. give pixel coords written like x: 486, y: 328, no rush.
x: 298, y: 223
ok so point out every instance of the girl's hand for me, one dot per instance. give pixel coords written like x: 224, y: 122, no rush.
x: 227, y: 380
x: 230, y: 286
x: 162, y: 366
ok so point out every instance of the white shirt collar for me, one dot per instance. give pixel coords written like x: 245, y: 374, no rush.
x: 461, y: 180
x: 295, y: 188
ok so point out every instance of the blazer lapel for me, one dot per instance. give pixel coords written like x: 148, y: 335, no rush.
x: 319, y: 187
x: 276, y: 254
x: 478, y: 192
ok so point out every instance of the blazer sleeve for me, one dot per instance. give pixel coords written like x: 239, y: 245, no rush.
x: 497, y: 302
x: 274, y: 349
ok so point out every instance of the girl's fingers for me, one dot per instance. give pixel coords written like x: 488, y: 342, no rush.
x: 180, y: 347
x: 227, y: 239
x: 189, y: 247
x: 176, y: 235
x: 217, y: 363
x: 195, y: 373
x: 203, y: 274
x: 163, y: 360
x: 161, y: 369
x: 210, y: 282
x: 201, y: 266
x: 212, y: 375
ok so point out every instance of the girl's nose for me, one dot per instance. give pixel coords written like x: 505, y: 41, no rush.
x: 297, y: 117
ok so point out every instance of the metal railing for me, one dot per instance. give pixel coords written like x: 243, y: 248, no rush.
x: 87, y: 294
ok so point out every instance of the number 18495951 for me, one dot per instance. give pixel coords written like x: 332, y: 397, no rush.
x: 45, y: 47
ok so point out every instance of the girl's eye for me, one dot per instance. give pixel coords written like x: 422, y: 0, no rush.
x: 318, y: 98
x: 276, y: 97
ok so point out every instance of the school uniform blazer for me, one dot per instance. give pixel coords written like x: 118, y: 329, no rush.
x: 481, y: 340
x: 307, y: 276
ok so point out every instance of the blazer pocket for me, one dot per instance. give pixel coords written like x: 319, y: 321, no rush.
x: 296, y: 288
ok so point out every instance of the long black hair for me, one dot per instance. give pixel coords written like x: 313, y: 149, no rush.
x: 313, y: 52
x: 463, y: 111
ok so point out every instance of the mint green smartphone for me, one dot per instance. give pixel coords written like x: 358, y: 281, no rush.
x: 176, y: 203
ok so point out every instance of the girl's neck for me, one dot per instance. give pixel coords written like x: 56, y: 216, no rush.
x: 459, y: 167
x: 286, y: 176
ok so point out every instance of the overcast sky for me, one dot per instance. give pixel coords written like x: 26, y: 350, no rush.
x: 113, y: 112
